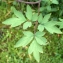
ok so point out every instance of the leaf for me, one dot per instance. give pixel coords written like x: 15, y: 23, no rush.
x: 53, y: 29
x: 41, y: 40
x: 57, y: 30
x: 51, y: 23
x: 46, y: 18
x: 39, y: 34
x: 48, y: 8
x: 60, y: 23
x: 29, y: 12
x: 40, y: 18
x: 61, y: 19
x: 36, y: 55
x: 31, y: 48
x: 55, y: 2
x: 26, y: 25
x: 13, y: 22
x: 27, y: 33
x: 39, y: 48
x: 24, y: 41
x: 40, y: 28
x: 35, y: 17
x: 42, y: 8
x: 18, y: 14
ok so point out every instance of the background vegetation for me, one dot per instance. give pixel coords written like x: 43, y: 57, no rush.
x: 53, y: 52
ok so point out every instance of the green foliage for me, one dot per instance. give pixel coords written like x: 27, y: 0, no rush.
x: 47, y: 21
x: 23, y: 41
x: 61, y: 23
x: 26, y: 25
x: 29, y: 12
x: 48, y: 25
x: 15, y: 21
x: 35, y: 47
x: 51, y: 1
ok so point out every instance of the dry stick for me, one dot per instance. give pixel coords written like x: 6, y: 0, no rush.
x: 29, y: 2
x: 38, y: 2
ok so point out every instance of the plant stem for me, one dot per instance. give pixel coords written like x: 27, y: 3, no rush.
x: 35, y: 27
x: 36, y: 23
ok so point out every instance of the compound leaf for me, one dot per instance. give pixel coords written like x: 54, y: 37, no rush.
x: 49, y: 25
x: 35, y: 48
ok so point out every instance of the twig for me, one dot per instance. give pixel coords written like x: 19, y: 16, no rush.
x: 36, y: 23
x: 29, y: 2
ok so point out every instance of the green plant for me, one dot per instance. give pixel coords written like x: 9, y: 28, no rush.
x: 38, y: 24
